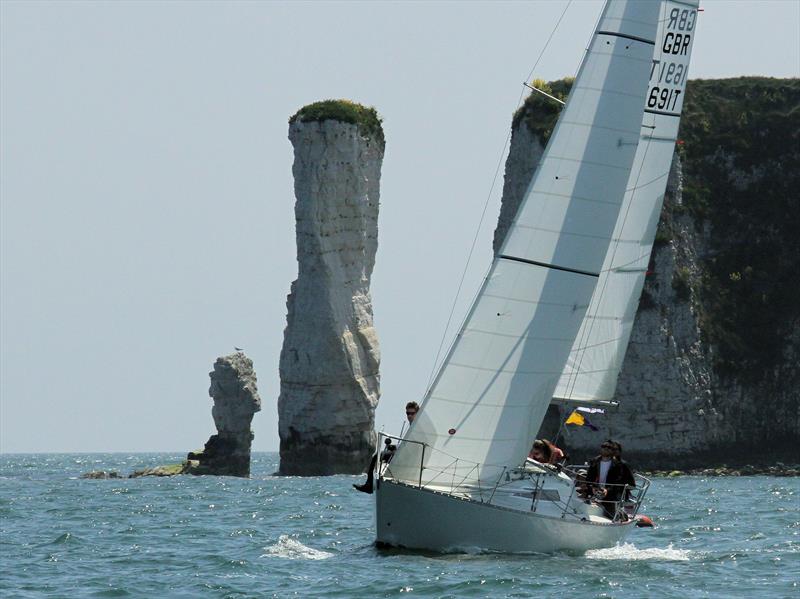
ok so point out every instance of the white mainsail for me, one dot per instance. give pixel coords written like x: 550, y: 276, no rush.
x: 596, y: 358
x: 490, y: 395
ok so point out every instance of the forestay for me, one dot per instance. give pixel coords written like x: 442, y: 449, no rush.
x: 489, y: 397
x: 596, y: 357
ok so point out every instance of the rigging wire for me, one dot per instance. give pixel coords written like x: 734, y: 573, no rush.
x: 485, y: 207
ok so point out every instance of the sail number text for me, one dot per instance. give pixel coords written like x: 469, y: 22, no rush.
x: 668, y: 73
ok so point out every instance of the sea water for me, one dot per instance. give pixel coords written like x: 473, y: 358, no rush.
x: 269, y: 536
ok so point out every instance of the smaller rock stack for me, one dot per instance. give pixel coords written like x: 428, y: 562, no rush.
x: 236, y: 400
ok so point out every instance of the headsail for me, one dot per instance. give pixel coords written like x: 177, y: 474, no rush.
x: 492, y: 390
x: 599, y: 350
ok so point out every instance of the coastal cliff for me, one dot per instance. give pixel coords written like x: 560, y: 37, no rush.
x: 713, y: 364
x: 329, y: 364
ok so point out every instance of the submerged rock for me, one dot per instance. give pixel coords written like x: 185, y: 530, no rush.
x: 329, y: 365
x: 167, y: 470
x: 101, y: 474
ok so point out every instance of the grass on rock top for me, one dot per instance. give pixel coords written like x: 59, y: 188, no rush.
x: 344, y: 111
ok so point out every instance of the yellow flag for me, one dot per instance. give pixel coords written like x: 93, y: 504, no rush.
x: 575, y: 418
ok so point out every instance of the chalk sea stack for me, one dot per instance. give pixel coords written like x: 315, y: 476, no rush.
x: 235, y: 394
x: 712, y: 367
x: 329, y: 364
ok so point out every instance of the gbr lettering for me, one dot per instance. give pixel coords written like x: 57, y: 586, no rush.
x: 669, y: 70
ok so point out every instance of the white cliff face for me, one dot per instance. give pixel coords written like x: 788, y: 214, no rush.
x: 329, y: 366
x: 712, y: 372
x: 524, y: 154
x: 665, y: 389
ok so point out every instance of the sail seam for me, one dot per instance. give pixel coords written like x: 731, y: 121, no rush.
x: 510, y: 336
x: 582, y: 371
x: 562, y: 232
x: 527, y: 301
x: 624, y: 241
x: 601, y: 51
x: 577, y: 197
x: 598, y: 344
x: 605, y: 318
x: 591, y: 162
x: 635, y: 38
x: 550, y: 266
x: 504, y: 371
x: 486, y: 405
x: 604, y: 128
x: 613, y: 92
x: 513, y: 440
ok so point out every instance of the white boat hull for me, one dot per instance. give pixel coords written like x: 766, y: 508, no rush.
x: 414, y: 518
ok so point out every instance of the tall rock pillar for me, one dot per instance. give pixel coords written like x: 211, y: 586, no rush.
x: 329, y: 365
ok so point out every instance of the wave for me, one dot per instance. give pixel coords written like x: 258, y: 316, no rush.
x: 291, y: 549
x: 628, y: 551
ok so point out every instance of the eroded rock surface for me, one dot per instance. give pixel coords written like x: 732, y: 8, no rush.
x: 235, y: 394
x: 712, y: 368
x: 329, y: 365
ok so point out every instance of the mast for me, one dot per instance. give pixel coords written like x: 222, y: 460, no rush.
x: 490, y: 395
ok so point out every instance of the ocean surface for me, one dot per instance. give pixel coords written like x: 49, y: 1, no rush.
x: 61, y: 536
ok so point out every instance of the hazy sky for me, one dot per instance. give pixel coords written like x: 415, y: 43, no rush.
x: 146, y: 199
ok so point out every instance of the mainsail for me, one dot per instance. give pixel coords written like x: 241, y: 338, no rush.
x: 490, y: 395
x: 596, y: 358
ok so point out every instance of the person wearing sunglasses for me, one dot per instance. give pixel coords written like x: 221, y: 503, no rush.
x: 607, y: 477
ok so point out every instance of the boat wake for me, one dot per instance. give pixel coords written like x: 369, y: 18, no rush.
x: 628, y: 551
x: 291, y: 549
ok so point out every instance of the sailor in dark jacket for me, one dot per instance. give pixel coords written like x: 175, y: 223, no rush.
x: 608, y: 476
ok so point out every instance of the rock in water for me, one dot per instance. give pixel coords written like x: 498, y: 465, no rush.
x: 101, y: 474
x: 235, y: 394
x: 329, y: 365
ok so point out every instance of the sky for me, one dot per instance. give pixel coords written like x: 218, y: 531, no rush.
x: 146, y: 194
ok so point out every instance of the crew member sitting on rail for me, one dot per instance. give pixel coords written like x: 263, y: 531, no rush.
x: 412, y: 408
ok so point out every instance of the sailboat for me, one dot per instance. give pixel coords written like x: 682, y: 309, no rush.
x: 552, y: 319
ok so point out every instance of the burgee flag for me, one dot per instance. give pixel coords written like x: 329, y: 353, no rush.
x: 576, y: 418
x: 579, y: 419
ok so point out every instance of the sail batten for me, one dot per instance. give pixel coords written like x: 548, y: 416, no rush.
x: 490, y: 394
x: 628, y: 37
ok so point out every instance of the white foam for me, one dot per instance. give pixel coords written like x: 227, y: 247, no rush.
x: 291, y: 549
x: 628, y: 551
